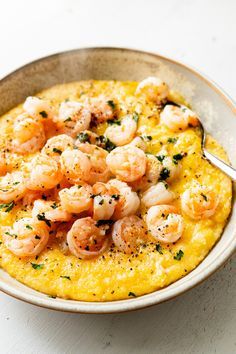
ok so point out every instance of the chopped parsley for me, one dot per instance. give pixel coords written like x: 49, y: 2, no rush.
x: 68, y: 120
x: 105, y: 143
x: 11, y: 235
x: 115, y: 196
x: 135, y: 117
x: 15, y: 183
x: 37, y: 266
x: 131, y: 294
x: 111, y: 104
x: 160, y: 157
x: 165, y: 173
x: 159, y: 248
x: 43, y: 114
x: 7, y: 206
x: 29, y: 227
x: 83, y: 137
x: 114, y: 121
x: 146, y: 137
x: 65, y: 277
x: 57, y: 151
x: 178, y: 157
x: 54, y: 205
x: 179, y: 255
x: 172, y: 140
x: 42, y: 217
x: 52, y: 296
x: 101, y: 202
x: 204, y: 197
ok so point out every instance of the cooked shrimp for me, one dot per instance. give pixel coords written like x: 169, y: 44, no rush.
x: 30, y: 197
x: 87, y: 240
x: 158, y: 194
x: 45, y: 173
x: 73, y: 118
x: 28, y: 135
x: 154, y: 89
x: 56, y: 145
x: 165, y: 223
x: 38, y: 109
x: 128, y: 201
x: 97, y: 156
x: 3, y: 164
x: 12, y: 187
x: 77, y: 198
x: 199, y: 202
x: 139, y: 143
x: 105, y: 198
x: 151, y: 176
x: 27, y: 238
x: 128, y: 163
x: 76, y: 165
x: 51, y: 210
x: 124, y: 133
x: 128, y: 233
x: 178, y: 118
x: 102, y: 109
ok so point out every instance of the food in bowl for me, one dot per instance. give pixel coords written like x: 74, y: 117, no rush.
x: 104, y: 193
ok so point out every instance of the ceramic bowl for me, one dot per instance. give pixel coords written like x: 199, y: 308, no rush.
x: 214, y: 106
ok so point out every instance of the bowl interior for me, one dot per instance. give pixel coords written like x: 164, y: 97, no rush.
x: 214, y: 107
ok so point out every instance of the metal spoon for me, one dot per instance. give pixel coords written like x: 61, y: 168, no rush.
x: 224, y: 167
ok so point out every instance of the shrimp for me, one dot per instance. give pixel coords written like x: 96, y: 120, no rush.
x: 27, y: 238
x: 128, y: 201
x: 12, y: 187
x: 105, y: 198
x: 128, y: 233
x: 128, y: 163
x: 165, y: 223
x: 158, y: 194
x: 76, y: 166
x: 102, y: 109
x: 73, y: 118
x: 178, y: 118
x: 28, y: 135
x: 139, y: 143
x: 38, y: 109
x: 77, y: 198
x: 56, y: 145
x: 3, y: 164
x: 151, y: 176
x: 45, y: 173
x: 86, y: 240
x: 122, y: 134
x: 199, y: 202
x: 51, y: 210
x: 30, y: 197
x: 154, y: 89
x: 97, y: 156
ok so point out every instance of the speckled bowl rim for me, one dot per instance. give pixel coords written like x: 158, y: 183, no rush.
x: 192, y: 279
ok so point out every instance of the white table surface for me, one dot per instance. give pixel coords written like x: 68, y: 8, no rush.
x: 200, y: 33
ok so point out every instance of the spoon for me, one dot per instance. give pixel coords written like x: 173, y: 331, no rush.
x: 220, y: 164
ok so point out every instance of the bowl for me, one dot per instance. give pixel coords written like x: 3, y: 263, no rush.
x: 212, y: 104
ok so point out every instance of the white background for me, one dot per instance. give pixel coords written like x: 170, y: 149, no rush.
x: 200, y: 33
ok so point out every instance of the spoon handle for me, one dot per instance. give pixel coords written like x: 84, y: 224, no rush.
x: 228, y: 170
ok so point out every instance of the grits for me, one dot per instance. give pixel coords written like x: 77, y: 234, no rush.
x: 114, y: 274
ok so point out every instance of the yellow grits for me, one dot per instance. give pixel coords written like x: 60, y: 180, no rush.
x: 115, y: 275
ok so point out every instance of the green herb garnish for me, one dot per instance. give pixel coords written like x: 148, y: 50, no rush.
x: 165, y: 173
x: 83, y: 137
x: 131, y: 294
x: 135, y: 117
x: 160, y: 157
x: 179, y: 255
x: 65, y: 277
x: 29, y: 227
x: 68, y: 120
x: 111, y: 104
x: 57, y: 151
x: 37, y: 266
x: 172, y: 140
x: 7, y: 206
x: 42, y: 217
x: 159, y: 248
x: 43, y: 114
